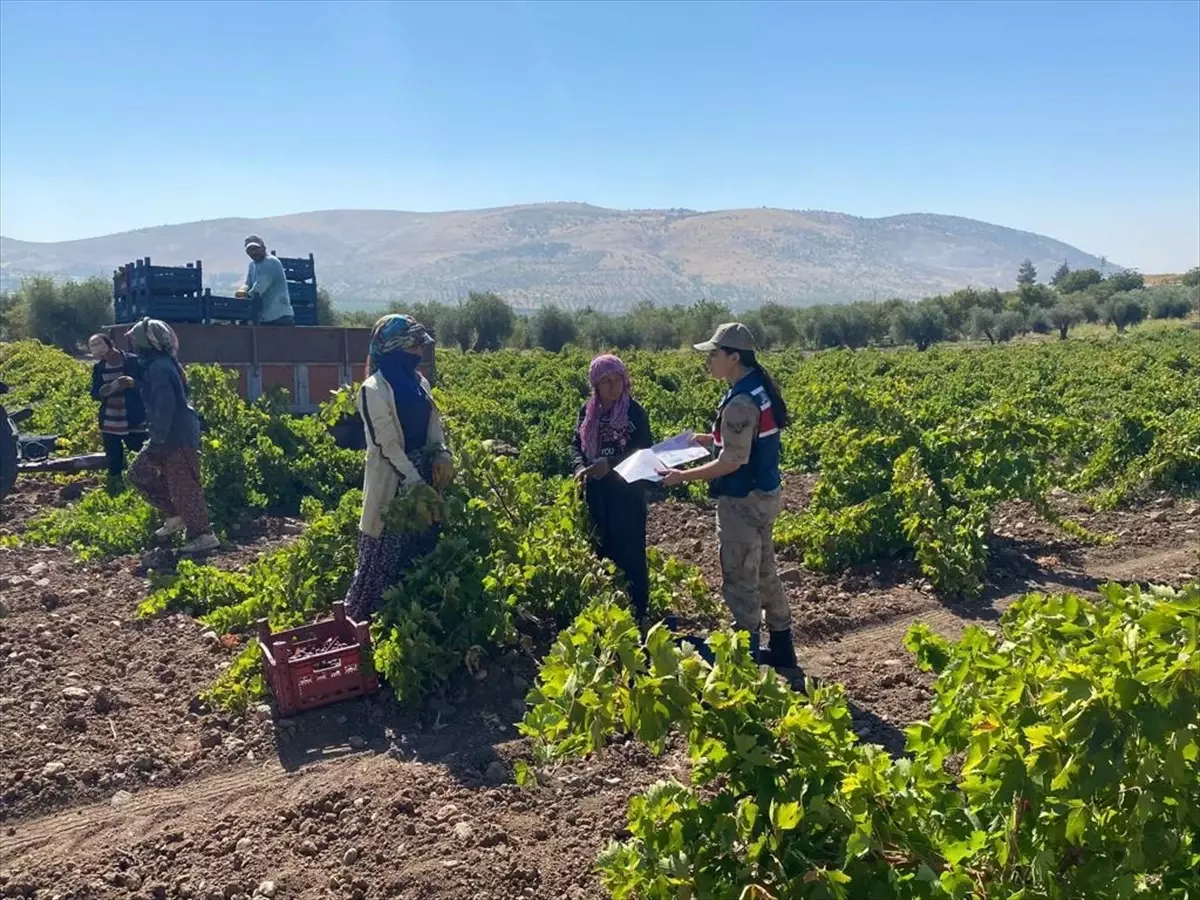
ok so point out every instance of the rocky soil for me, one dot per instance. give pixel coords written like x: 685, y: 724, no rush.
x: 114, y: 783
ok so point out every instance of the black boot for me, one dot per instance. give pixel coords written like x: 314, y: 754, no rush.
x: 781, y: 653
x: 755, y: 649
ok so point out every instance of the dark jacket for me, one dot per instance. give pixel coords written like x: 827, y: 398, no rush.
x: 618, y: 509
x: 611, y: 500
x: 638, y: 438
x: 172, y: 420
x: 135, y: 409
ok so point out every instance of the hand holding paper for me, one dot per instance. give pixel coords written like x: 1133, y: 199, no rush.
x: 644, y: 465
x: 681, y: 449
x: 640, y: 466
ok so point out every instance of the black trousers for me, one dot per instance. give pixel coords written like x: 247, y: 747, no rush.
x: 114, y: 449
x: 618, y: 511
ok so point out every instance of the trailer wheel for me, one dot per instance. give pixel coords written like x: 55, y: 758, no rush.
x: 8, y: 454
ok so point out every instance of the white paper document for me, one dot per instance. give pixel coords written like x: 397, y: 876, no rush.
x: 640, y: 466
x: 675, y: 451
x: 645, y: 464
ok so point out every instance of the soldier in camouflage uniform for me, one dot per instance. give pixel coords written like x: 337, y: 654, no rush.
x: 745, y: 480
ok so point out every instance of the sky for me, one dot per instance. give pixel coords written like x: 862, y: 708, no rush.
x: 1078, y: 120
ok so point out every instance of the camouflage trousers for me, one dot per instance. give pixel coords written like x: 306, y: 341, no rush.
x: 750, y: 582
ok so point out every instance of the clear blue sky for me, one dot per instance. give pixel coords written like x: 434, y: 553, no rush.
x: 1079, y: 120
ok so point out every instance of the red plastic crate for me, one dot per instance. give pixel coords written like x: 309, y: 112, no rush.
x: 322, y: 678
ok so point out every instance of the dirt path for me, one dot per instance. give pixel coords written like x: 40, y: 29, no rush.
x: 112, y: 785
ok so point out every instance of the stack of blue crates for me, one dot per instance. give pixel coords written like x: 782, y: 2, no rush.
x: 170, y: 293
x: 301, y: 277
x: 175, y: 294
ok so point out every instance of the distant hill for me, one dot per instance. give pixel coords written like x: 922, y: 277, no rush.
x: 576, y: 255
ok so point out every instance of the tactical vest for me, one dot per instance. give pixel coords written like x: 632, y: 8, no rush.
x: 761, y: 471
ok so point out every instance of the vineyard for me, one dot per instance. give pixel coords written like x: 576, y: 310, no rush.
x: 992, y: 557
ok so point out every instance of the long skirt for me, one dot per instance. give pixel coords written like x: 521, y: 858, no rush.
x: 171, y: 484
x: 383, y: 560
x: 618, y: 512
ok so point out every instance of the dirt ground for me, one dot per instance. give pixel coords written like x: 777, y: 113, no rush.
x: 114, y: 784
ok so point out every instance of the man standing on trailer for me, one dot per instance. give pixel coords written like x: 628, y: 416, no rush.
x: 266, y: 283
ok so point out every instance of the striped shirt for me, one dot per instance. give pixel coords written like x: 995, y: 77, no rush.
x: 112, y: 414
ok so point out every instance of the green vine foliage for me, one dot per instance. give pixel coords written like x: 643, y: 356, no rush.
x: 257, y: 457
x: 913, y: 450
x: 254, y: 458
x: 100, y: 524
x: 511, y: 567
x: 59, y: 390
x: 985, y: 425
x: 948, y: 540
x: 287, y: 586
x: 240, y: 684
x: 1060, y: 760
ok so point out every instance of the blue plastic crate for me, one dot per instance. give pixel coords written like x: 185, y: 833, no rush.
x: 228, y: 309
x: 174, y: 309
x: 306, y: 315
x: 297, y: 268
x: 302, y: 294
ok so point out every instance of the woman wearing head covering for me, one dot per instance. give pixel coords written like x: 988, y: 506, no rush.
x: 745, y: 480
x: 122, y: 413
x: 406, y: 449
x: 611, y: 426
x: 167, y: 471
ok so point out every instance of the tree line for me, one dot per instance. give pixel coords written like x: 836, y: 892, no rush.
x: 484, y: 321
x: 65, y: 313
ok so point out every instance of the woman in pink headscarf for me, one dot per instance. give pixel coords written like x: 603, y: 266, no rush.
x: 611, y: 426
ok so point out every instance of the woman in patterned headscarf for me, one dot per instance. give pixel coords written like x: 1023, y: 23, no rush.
x: 611, y: 426
x: 167, y: 470
x: 406, y: 448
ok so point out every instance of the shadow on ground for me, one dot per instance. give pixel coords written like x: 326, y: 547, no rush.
x: 460, y: 729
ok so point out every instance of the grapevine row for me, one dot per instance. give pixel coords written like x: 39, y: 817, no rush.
x: 1059, y: 760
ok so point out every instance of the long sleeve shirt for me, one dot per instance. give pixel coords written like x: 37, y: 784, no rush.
x: 636, y: 437
x: 267, y: 283
x: 389, y: 469
x: 171, y: 418
x: 121, y: 411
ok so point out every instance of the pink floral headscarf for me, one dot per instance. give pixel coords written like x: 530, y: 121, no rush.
x: 597, y: 425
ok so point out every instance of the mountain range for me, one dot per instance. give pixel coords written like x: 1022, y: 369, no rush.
x: 576, y: 255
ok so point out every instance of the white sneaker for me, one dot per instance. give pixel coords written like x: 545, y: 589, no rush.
x: 202, y: 544
x: 170, y: 528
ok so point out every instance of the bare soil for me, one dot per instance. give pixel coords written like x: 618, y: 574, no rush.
x: 33, y: 495
x: 114, y: 783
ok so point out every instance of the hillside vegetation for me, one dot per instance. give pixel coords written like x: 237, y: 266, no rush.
x: 64, y: 314
x: 572, y: 255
